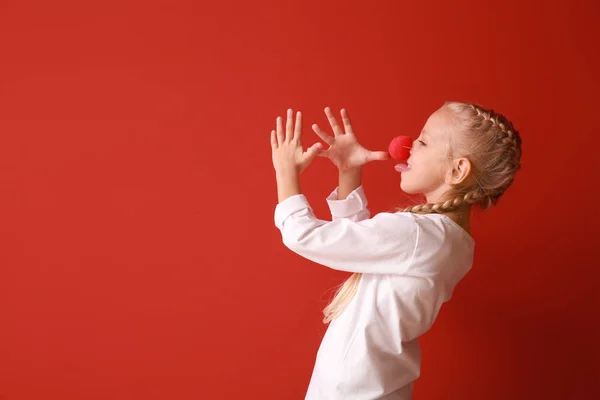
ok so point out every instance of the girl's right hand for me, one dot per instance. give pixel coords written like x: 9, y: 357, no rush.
x: 344, y: 150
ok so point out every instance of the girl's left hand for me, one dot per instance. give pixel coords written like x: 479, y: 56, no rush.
x: 288, y: 155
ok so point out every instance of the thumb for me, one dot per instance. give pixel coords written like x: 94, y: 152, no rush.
x: 323, y: 153
x: 313, y: 151
x: 378, y: 156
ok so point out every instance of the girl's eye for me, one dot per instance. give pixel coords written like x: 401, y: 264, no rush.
x: 422, y: 142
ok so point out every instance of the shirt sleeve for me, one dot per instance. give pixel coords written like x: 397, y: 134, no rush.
x: 354, y: 206
x: 384, y: 244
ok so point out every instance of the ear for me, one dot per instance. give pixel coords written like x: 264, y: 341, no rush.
x: 461, y: 169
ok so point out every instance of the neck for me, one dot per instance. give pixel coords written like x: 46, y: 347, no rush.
x: 462, y: 217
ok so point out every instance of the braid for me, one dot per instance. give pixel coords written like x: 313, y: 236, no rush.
x: 508, y: 135
x: 475, y: 196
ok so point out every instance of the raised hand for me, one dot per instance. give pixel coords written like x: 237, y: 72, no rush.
x: 286, y: 146
x: 344, y: 150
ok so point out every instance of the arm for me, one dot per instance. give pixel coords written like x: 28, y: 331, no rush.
x: 348, y: 200
x: 384, y: 244
x: 352, y: 242
x: 288, y: 184
x: 349, y: 180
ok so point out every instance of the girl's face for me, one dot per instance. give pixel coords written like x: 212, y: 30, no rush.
x: 428, y: 162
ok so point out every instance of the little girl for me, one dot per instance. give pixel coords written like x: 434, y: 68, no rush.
x: 406, y: 264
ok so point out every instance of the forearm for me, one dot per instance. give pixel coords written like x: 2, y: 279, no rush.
x: 349, y: 180
x: 288, y: 184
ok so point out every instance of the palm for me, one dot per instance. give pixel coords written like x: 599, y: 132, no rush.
x: 344, y: 150
x: 302, y: 158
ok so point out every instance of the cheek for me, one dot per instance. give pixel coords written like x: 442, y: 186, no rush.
x: 428, y: 170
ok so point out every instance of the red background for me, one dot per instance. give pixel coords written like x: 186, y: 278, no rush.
x: 139, y: 259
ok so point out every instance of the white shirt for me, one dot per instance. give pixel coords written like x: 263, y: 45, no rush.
x: 410, y: 264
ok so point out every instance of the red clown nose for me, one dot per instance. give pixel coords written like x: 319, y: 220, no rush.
x: 400, y: 148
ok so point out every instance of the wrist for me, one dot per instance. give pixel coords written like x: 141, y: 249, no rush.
x: 349, y: 180
x: 286, y: 172
x: 288, y: 183
x: 350, y: 171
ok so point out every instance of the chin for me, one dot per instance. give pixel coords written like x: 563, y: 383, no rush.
x: 406, y: 188
x: 409, y: 188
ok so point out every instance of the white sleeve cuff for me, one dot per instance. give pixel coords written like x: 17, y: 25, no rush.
x: 289, y: 206
x: 351, y: 205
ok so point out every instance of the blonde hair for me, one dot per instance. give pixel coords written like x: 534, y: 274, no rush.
x: 493, y: 147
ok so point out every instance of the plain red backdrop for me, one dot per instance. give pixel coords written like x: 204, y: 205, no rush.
x: 138, y: 254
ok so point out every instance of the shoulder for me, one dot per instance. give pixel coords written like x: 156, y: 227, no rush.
x: 436, y: 226
x: 425, y: 228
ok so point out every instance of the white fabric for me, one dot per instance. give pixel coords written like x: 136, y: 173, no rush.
x: 410, y: 265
